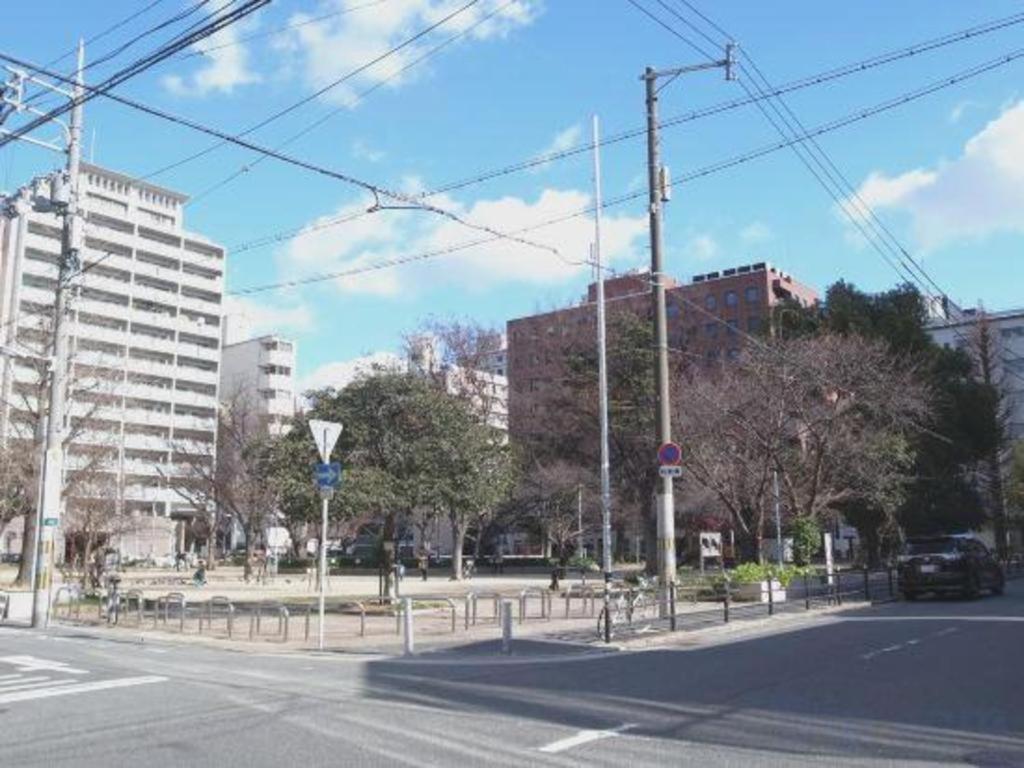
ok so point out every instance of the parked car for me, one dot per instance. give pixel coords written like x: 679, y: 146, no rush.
x: 948, y: 564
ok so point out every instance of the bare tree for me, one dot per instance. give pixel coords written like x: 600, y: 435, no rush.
x: 830, y: 415
x: 238, y: 478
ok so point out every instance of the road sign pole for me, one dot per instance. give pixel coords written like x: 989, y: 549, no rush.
x: 325, y: 500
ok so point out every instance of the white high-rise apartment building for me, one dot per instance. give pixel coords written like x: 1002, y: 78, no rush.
x: 1007, y: 331
x: 262, y: 371
x: 144, y: 325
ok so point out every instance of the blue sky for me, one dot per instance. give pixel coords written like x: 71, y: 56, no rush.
x: 945, y: 173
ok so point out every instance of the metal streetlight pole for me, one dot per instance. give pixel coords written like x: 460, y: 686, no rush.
x: 602, y: 386
x: 658, y: 190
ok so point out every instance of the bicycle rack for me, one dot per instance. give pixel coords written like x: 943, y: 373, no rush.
x: 228, y: 610
x: 586, y: 594
x: 545, y: 598
x: 126, y: 599
x: 74, y: 601
x: 282, y: 619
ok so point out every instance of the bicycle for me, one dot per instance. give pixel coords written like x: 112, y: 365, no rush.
x: 629, y: 608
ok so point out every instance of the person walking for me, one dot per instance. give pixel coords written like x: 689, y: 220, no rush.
x: 424, y: 563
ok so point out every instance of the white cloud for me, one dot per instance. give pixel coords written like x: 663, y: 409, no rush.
x: 755, y: 233
x: 339, y: 374
x: 247, y: 317
x: 389, y: 235
x: 563, y: 140
x: 701, y: 248
x: 334, y: 47
x: 960, y: 108
x: 224, y: 68
x: 363, y: 151
x: 978, y: 194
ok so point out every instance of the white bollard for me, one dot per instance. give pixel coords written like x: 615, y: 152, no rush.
x: 506, y: 627
x: 408, y: 644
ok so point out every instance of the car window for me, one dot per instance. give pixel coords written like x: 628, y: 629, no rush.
x: 936, y: 546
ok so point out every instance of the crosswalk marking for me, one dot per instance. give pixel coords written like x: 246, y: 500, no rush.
x: 45, y: 683
x: 21, y: 680
x: 69, y: 688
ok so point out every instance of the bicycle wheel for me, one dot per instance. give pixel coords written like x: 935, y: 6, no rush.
x: 640, y: 613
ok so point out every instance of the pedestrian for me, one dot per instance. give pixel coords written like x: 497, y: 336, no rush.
x: 179, y: 561
x: 423, y: 562
x: 499, y: 560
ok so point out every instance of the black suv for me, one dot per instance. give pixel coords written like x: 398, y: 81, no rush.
x: 944, y: 564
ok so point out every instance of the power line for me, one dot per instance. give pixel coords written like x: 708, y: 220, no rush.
x: 318, y: 93
x: 271, y: 32
x: 409, y: 201
x: 128, y: 72
x: 876, y: 232
x: 716, y: 167
x: 465, y: 31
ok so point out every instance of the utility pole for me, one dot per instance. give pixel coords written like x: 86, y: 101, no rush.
x: 602, y: 387
x: 53, y: 464
x: 658, y: 193
x: 579, y: 520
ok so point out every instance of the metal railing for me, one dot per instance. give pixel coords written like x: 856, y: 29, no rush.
x: 163, y: 605
x: 545, y: 602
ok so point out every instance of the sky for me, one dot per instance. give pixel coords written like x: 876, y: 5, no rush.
x: 502, y: 81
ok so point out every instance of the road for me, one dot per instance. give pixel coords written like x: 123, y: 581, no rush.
x: 935, y: 682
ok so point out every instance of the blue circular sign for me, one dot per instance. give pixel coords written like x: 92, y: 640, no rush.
x: 670, y: 454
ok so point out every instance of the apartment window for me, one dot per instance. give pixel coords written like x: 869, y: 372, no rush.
x: 152, y: 331
x: 196, y: 363
x: 710, y: 302
x: 159, y: 237
x: 199, y: 318
x: 106, y: 247
x: 732, y: 326
x: 153, y: 307
x: 1009, y: 333
x: 277, y: 370
x: 753, y: 325
x: 191, y: 269
x: 199, y: 341
x: 44, y: 230
x: 733, y: 353
x: 195, y: 293
x: 157, y: 260
x: 204, y: 249
x: 731, y: 299
x: 711, y: 330
x: 752, y: 294
x: 157, y: 285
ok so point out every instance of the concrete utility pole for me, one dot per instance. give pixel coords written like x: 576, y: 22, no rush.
x: 602, y: 388
x: 658, y: 193
x: 53, y: 465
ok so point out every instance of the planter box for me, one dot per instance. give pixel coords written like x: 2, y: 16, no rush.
x: 758, y: 592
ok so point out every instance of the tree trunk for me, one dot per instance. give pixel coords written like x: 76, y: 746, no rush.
x: 28, y: 548
x: 458, y: 542
x: 250, y: 546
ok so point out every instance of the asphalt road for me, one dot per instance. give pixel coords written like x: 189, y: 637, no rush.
x: 935, y: 682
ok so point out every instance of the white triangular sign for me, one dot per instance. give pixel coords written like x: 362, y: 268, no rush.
x: 325, y: 434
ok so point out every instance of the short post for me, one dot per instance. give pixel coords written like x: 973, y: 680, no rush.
x: 771, y: 596
x: 839, y: 588
x: 408, y: 644
x: 726, y: 602
x: 867, y: 584
x: 568, y: 597
x: 807, y: 593
x: 672, y: 606
x: 466, y: 611
x: 506, y: 627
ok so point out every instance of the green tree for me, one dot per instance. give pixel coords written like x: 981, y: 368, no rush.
x: 806, y: 533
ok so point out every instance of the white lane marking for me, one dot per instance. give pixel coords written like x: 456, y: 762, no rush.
x: 946, y: 631
x: 33, y: 664
x: 909, y: 643
x: 10, y: 677
x: 46, y: 683
x: 584, y: 737
x: 72, y: 688
x: 22, y: 679
x: 155, y: 650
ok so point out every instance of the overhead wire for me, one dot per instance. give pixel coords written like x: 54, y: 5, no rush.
x: 717, y: 167
x: 433, y: 51
x: 277, y: 115
x: 844, y: 194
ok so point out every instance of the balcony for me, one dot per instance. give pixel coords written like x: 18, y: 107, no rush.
x: 201, y: 305
x: 147, y: 442
x: 146, y: 392
x: 98, y: 359
x: 151, y: 344
x: 188, y: 373
x: 203, y: 283
x: 36, y: 295
x: 96, y: 307
x: 147, y: 417
x: 195, y: 399
x: 99, y: 333
x: 204, y: 423
x: 41, y: 243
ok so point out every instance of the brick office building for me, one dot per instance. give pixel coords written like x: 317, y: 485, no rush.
x: 707, y: 319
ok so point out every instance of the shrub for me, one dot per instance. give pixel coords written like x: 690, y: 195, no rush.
x: 806, y: 535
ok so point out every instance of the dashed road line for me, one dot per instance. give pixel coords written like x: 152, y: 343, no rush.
x: 584, y: 737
